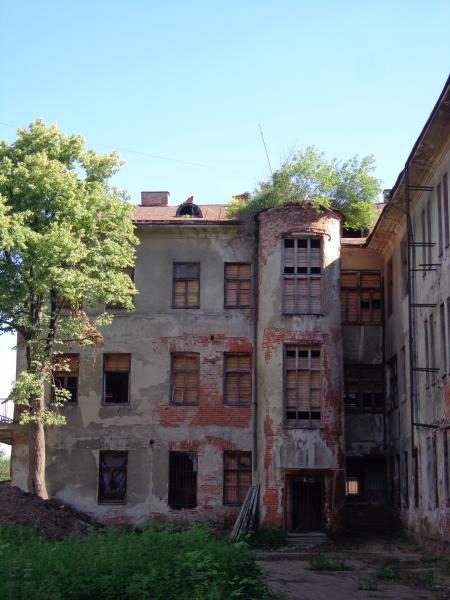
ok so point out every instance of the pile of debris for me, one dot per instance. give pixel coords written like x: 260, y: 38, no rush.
x: 50, y: 518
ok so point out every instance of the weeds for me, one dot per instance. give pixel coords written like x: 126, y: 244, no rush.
x: 322, y: 563
x: 267, y: 537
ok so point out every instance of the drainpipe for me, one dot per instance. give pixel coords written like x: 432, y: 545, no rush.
x: 255, y: 297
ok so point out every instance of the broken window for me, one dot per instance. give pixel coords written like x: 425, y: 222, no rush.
x: 352, y: 486
x: 237, y: 477
x: 116, y: 378
x: 303, y: 385
x: 237, y: 285
x: 112, y: 477
x: 363, y: 387
x: 182, y: 479
x: 393, y: 382
x: 65, y: 374
x: 188, y: 209
x: 185, y: 378
x: 302, y: 276
x: 389, y: 291
x: 117, y: 305
x: 360, y: 297
x: 186, y: 285
x: 238, y: 379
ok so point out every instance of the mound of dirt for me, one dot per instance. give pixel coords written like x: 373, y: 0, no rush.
x: 51, y: 518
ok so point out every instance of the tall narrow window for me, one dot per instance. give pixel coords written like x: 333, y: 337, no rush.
x: 182, y: 479
x: 186, y: 285
x: 448, y: 335
x: 389, y: 285
x: 446, y: 212
x: 237, y: 379
x: 112, y: 477
x: 405, y: 489
x: 363, y: 388
x: 446, y: 448
x: 432, y: 350
x: 393, y: 382
x: 443, y: 329
x: 404, y: 265
x: 303, y: 385
x: 416, y: 477
x: 65, y: 374
x: 424, y: 240
x: 427, y: 354
x: 429, y: 247
x: 403, y: 373
x: 185, y: 378
x: 116, y: 378
x: 237, y: 477
x: 302, y: 272
x: 439, y: 207
x: 237, y: 285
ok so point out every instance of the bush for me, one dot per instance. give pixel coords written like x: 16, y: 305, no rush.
x: 5, y: 466
x: 267, y: 537
x: 160, y: 563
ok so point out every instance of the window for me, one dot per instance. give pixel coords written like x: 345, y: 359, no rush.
x: 112, y: 477
x: 302, y: 270
x: 65, y: 374
x: 186, y: 285
x: 185, y: 378
x: 352, y: 486
x: 416, y: 477
x: 403, y: 372
x: 429, y: 242
x: 446, y: 212
x: 432, y: 351
x: 237, y: 379
x: 116, y: 378
x: 404, y: 263
x: 389, y: 284
x: 405, y: 481
x: 427, y: 353
x: 237, y: 477
x: 363, y: 387
x: 118, y: 306
x: 443, y: 340
x: 237, y: 285
x: 182, y: 479
x: 303, y: 385
x: 446, y: 448
x: 448, y: 335
x: 439, y: 206
x: 393, y: 382
x: 360, y: 297
x: 188, y: 209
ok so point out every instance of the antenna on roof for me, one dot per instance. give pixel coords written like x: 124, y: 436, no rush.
x: 265, y: 148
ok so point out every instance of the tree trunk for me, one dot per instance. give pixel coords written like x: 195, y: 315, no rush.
x: 36, y: 452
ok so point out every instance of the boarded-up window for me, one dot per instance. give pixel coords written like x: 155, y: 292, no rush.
x: 185, y: 378
x: 364, y: 387
x: 65, y: 374
x: 360, y: 297
x: 116, y: 378
x: 237, y: 285
x: 237, y: 476
x: 186, y: 285
x: 303, y: 385
x: 182, y: 479
x: 112, y: 477
x: 238, y: 379
x: 302, y: 276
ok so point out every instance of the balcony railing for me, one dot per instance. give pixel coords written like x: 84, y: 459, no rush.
x: 5, y: 420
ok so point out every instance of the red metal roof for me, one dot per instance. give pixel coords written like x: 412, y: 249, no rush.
x: 151, y: 214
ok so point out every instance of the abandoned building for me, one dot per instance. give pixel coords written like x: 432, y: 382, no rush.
x: 277, y: 352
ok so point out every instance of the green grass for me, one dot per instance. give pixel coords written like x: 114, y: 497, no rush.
x: 158, y: 563
x: 5, y: 462
x: 323, y: 563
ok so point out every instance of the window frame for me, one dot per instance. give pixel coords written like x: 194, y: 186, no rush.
x: 66, y: 374
x: 360, y: 408
x: 238, y: 471
x: 173, y: 356
x: 185, y: 279
x: 297, y: 276
x: 226, y: 355
x: 113, y: 502
x: 170, y: 487
x: 313, y: 423
x: 105, y: 355
x: 359, y: 289
x: 227, y: 278
x: 392, y: 366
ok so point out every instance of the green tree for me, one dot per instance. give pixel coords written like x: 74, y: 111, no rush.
x: 308, y: 176
x: 66, y: 241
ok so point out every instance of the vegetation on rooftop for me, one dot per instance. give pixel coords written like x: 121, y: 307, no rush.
x: 309, y: 177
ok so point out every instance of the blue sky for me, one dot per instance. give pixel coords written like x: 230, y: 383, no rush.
x: 191, y: 81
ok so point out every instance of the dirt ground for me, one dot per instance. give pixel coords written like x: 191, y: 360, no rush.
x: 390, y: 568
x: 51, y: 518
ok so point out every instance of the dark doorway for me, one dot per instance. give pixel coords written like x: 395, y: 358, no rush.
x: 307, y: 504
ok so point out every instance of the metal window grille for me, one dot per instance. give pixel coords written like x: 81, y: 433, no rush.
x: 302, y: 276
x: 65, y: 374
x: 364, y: 388
x: 361, y: 297
x: 186, y: 285
x: 182, y: 479
x: 116, y: 378
x: 237, y: 285
x: 238, y: 379
x: 237, y: 477
x: 185, y: 378
x: 112, y: 480
x: 303, y: 385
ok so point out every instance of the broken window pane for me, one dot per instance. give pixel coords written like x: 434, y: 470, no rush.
x: 237, y: 477
x: 112, y: 480
x: 360, y: 297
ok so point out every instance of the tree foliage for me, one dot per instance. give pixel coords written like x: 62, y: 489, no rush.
x: 308, y: 176
x: 66, y: 240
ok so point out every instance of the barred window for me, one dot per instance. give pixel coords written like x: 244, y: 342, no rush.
x: 360, y: 297
x: 186, y: 285
x: 238, y: 379
x: 185, y: 378
x: 237, y: 285
x: 303, y: 385
x: 65, y: 374
x: 116, y: 378
x: 237, y: 477
x: 364, y: 387
x: 112, y: 477
x: 302, y: 272
x: 182, y: 479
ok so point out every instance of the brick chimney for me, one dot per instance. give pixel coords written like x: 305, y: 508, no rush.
x: 154, y: 198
